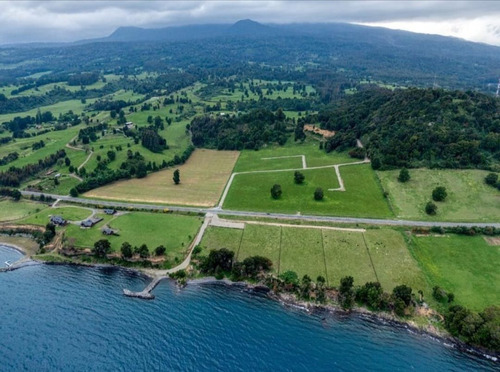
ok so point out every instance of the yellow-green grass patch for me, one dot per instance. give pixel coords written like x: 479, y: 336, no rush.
x: 14, y: 210
x: 469, y: 198
x: 68, y: 213
x: 221, y: 237
x: 261, y: 241
x: 393, y: 262
x: 346, y: 255
x: 203, y: 178
x: 302, y: 252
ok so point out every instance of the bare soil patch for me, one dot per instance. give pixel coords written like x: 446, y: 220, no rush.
x: 323, y: 132
x: 492, y: 240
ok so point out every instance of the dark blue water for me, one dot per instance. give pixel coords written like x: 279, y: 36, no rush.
x: 76, y: 319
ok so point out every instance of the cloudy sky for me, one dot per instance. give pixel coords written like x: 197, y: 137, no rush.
x: 29, y: 21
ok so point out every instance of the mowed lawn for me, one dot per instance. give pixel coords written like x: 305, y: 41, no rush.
x: 261, y: 240
x: 363, y: 196
x: 68, y: 213
x: 203, y: 178
x: 469, y: 198
x: 12, y: 210
x: 465, y: 265
x: 175, y: 232
x: 251, y: 160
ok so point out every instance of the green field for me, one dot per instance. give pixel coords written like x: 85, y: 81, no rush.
x: 327, y: 252
x: 11, y: 210
x: 469, y: 198
x: 175, y: 232
x: 362, y: 198
x: 68, y: 213
x: 251, y: 160
x: 394, y: 265
x: 464, y: 265
x: 346, y: 255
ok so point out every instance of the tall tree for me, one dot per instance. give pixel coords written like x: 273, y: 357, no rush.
x: 177, y: 176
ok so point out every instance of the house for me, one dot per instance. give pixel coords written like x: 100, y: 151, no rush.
x: 57, y: 220
x: 90, y: 222
x: 108, y: 231
x: 129, y: 125
x: 110, y: 211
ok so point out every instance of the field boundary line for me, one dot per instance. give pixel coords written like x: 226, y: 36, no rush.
x: 279, y: 255
x: 305, y: 226
x: 324, y: 257
x: 239, y: 245
x: 370, y: 257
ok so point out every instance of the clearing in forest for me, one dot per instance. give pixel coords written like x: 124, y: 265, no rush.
x: 203, y: 178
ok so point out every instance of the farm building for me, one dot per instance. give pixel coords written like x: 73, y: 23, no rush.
x: 110, y: 211
x: 58, y: 220
x: 91, y: 222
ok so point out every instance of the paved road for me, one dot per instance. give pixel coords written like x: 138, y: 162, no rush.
x: 282, y: 216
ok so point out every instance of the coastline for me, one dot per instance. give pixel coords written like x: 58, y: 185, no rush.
x: 289, y: 301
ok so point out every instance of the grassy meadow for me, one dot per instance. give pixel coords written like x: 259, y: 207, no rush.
x: 469, y: 198
x: 12, y: 210
x: 464, y: 265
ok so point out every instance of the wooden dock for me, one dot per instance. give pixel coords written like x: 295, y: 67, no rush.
x: 145, y: 294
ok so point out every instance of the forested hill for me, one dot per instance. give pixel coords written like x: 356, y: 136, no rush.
x: 418, y: 127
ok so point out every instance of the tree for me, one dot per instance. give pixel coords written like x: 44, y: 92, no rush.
x: 73, y: 192
x: 101, y: 248
x: 346, y: 294
x: 430, y: 208
x: 318, y: 194
x: 402, y: 292
x: 404, y: 175
x: 290, y: 278
x: 111, y: 155
x: 143, y: 251
x: 160, y: 250
x: 67, y: 161
x: 126, y: 250
x: 177, y: 176
x: 439, y: 193
x: 276, y: 191
x: 491, y: 179
x: 298, y: 177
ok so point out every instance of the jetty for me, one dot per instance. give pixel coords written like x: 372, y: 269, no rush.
x: 145, y: 294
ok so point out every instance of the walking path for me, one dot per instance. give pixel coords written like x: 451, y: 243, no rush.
x: 69, y: 146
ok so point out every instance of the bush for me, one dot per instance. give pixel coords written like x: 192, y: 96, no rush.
x: 404, y: 175
x: 491, y: 179
x: 276, y: 191
x: 439, y: 194
x: 318, y: 194
x: 430, y: 208
x: 299, y: 177
x: 160, y: 250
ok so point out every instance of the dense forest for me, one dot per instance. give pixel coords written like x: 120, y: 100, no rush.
x: 418, y: 127
x: 247, y: 131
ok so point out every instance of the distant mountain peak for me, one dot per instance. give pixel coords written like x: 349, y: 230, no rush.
x: 248, y: 27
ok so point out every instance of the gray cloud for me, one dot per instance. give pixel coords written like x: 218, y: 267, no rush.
x: 25, y: 21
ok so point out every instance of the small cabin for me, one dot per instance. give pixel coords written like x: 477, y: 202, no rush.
x: 110, y: 211
x: 108, y: 231
x: 90, y: 222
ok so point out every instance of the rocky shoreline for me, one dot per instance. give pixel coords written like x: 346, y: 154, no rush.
x: 289, y: 300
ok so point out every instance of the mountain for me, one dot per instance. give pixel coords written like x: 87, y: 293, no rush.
x: 180, y: 33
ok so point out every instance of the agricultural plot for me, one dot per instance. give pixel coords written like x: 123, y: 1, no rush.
x: 346, y: 255
x: 362, y: 198
x: 68, y: 213
x: 393, y: 263
x: 47, y: 185
x: 203, y: 178
x: 469, y: 198
x: 11, y: 210
x: 261, y: 241
x: 302, y: 252
x: 175, y: 232
x: 464, y: 265
x: 380, y: 254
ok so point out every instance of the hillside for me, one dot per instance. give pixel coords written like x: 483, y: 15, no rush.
x: 419, y: 127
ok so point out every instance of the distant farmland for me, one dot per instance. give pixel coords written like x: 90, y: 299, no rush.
x: 203, y: 178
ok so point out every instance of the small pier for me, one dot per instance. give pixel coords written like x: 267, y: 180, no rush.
x: 145, y: 294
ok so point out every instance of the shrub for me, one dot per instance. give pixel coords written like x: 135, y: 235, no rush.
x: 318, y: 194
x: 404, y: 175
x: 276, y: 191
x: 439, y: 193
x: 430, y: 208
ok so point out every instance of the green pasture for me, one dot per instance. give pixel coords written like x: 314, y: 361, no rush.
x: 69, y: 213
x: 469, y: 198
x: 175, y: 232
x: 464, y: 265
x: 261, y: 241
x: 14, y: 210
x: 362, y: 198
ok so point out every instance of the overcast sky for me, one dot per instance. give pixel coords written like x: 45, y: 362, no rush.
x: 28, y: 21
